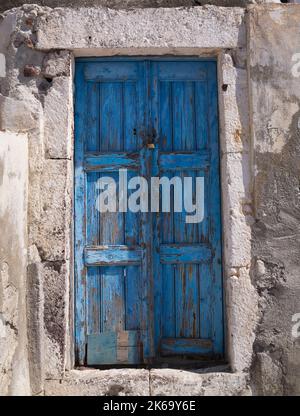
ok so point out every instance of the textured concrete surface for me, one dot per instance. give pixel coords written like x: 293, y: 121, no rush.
x: 158, y: 382
x: 169, y: 382
x: 126, y: 382
x: 169, y: 29
x: 274, y: 79
x: 14, y: 369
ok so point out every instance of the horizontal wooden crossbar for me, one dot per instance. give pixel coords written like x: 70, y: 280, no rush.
x: 184, y: 160
x: 111, y: 162
x: 184, y: 253
x: 112, y: 255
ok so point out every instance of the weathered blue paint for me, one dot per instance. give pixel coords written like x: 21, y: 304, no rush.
x: 111, y: 162
x: 121, y: 347
x: 146, y: 284
x: 186, y: 346
x: 117, y: 255
x: 188, y: 160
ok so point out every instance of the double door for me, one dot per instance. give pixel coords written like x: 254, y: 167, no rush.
x: 148, y: 280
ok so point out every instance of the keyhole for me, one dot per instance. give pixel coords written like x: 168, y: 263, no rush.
x: 134, y: 132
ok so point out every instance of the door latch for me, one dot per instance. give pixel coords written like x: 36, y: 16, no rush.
x: 150, y: 146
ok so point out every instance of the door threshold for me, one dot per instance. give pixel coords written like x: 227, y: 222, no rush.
x: 176, y: 364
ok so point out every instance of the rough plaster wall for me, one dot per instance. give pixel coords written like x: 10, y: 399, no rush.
x: 14, y: 372
x: 34, y: 96
x: 274, y: 79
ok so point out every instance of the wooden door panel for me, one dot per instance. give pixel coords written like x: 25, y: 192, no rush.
x: 187, y: 277
x: 110, y: 258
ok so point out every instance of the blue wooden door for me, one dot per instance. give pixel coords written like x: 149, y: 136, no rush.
x: 147, y: 284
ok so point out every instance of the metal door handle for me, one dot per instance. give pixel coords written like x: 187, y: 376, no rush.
x: 150, y: 146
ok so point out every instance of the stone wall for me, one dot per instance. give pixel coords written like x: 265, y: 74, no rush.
x: 259, y: 132
x: 125, y: 4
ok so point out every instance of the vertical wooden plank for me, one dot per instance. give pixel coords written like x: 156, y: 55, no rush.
x: 186, y: 275
x: 165, y: 116
x: 93, y: 301
x: 113, y: 305
x: 93, y: 279
x: 92, y: 145
x: 202, y: 133
x: 112, y: 223
x: 201, y: 121
x: 187, y: 302
x: 166, y: 309
x: 191, y: 294
x: 111, y: 106
x: 111, y: 139
x: 133, y: 273
x: 205, y: 276
x: 79, y: 201
x: 92, y: 117
x: 146, y: 92
x: 133, y: 124
x: 215, y: 212
x: 155, y: 124
x: 205, y: 282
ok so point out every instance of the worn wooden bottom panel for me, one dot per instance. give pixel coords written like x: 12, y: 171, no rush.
x: 118, y: 347
x: 113, y: 299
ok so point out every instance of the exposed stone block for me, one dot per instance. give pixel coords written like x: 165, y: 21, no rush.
x: 31, y: 71
x: 56, y: 64
x: 123, y: 382
x: 54, y: 223
x: 55, y: 276
x: 237, y: 219
x: 58, y: 107
x: 17, y: 115
x: 268, y: 375
x: 242, y: 317
x: 142, y: 29
x: 169, y: 382
x: 35, y: 316
x: 234, y: 114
